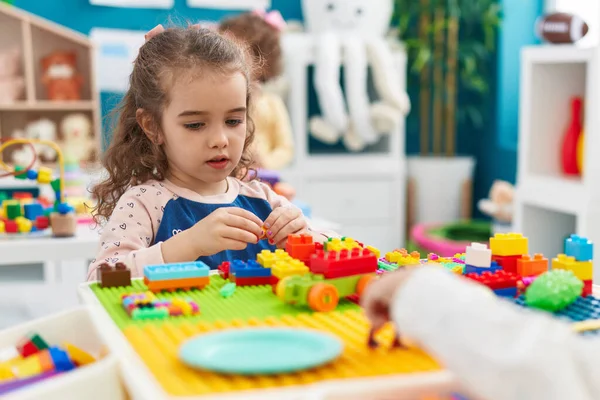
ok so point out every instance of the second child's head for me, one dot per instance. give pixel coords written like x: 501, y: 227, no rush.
x: 184, y: 117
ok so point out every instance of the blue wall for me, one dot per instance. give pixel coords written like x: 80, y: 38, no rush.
x: 495, y: 147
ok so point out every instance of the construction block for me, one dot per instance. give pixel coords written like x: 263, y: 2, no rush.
x: 587, y: 288
x: 470, y: 269
x: 300, y: 247
x: 116, y: 276
x: 509, y: 244
x: 250, y: 281
x: 20, y: 173
x: 338, y: 244
x: 496, y: 280
x: 343, y: 263
x: 375, y: 251
x: 186, y: 270
x: 177, y: 284
x: 224, y: 269
x: 61, y: 360
x: 42, y: 222
x: 26, y: 347
x: 23, y: 224
x: 22, y: 195
x: 39, y: 343
x: 44, y: 175
x: 28, y: 367
x: 77, y: 355
x: 508, y: 263
x: 507, y: 292
x: 32, y: 211
x: 527, y: 266
x: 583, y: 270
x: 281, y: 269
x: 250, y: 269
x: 267, y: 258
x: 579, y: 247
x: 478, y: 255
x: 10, y: 226
x: 12, y: 209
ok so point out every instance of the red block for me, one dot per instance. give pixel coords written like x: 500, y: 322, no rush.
x: 343, y: 263
x: 42, y: 222
x: 587, y: 288
x: 262, y: 280
x: 496, y: 280
x: 26, y: 347
x: 10, y: 226
x: 22, y: 195
x: 508, y: 263
x: 224, y: 269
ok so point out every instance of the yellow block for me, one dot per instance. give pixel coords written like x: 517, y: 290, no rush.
x: 267, y: 258
x: 44, y: 175
x: 6, y: 372
x: 375, y: 251
x: 77, y: 355
x: 508, y: 244
x: 584, y: 270
x: 158, y: 347
x: 29, y: 366
x: 23, y: 224
x: 281, y: 269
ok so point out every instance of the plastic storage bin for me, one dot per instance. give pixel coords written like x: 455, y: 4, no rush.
x: 97, y: 381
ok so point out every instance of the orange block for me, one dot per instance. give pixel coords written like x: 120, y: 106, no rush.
x: 527, y: 266
x: 300, y: 247
x: 174, y: 284
x: 45, y: 361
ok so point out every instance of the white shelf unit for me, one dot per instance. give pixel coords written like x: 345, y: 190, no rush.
x: 363, y: 192
x: 549, y: 205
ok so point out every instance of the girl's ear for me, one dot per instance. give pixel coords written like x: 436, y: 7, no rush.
x: 146, y: 122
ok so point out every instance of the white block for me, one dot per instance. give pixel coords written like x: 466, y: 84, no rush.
x: 478, y: 255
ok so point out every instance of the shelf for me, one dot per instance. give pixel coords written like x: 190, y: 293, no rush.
x: 554, y: 193
x: 550, y: 54
x: 47, y: 105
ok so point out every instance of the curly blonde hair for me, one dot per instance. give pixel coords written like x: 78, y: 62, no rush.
x: 132, y: 158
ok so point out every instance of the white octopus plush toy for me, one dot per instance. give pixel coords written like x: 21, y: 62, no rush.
x: 352, y: 33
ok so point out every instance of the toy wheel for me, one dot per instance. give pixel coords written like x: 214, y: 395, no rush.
x: 362, y: 284
x: 280, y: 288
x: 323, y: 297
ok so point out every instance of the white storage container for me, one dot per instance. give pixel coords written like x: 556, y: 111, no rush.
x: 100, y: 380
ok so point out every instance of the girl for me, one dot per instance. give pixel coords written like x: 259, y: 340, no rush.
x: 497, y: 350
x: 181, y: 143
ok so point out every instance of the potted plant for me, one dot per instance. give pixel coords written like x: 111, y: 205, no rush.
x: 450, y: 46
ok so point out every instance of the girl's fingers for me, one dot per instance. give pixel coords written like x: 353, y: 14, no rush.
x: 240, y: 235
x: 244, y: 224
x: 240, y: 212
x: 273, y: 217
x: 292, y: 227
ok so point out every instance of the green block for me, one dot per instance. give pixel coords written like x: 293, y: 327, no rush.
x: 55, y: 184
x: 553, y: 290
x: 150, y: 313
x: 38, y: 341
x: 13, y: 211
x: 22, y: 175
x: 228, y: 290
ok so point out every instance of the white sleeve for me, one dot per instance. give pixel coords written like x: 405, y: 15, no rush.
x: 497, y: 350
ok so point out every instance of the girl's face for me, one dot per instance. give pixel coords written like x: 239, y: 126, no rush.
x: 204, y: 128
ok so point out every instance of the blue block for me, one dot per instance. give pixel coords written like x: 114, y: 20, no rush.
x: 64, y: 208
x: 32, y: 211
x: 478, y: 270
x: 61, y: 359
x: 196, y: 269
x: 579, y: 247
x: 250, y: 269
x: 508, y: 292
x: 31, y: 174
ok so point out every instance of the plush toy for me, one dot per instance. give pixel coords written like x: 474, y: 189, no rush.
x: 352, y: 33
x: 42, y: 129
x: 499, y: 205
x: 77, y: 142
x: 274, y: 143
x: 60, y: 76
x: 12, y: 83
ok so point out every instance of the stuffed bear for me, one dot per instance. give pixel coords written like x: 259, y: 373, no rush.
x: 59, y: 75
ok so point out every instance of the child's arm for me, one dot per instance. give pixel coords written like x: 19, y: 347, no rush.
x: 128, y: 235
x: 498, y: 350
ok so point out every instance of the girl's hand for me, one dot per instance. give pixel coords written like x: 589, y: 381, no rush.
x: 379, y: 295
x: 282, y: 222
x: 227, y: 228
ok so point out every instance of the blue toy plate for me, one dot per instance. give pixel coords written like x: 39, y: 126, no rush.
x: 260, y: 351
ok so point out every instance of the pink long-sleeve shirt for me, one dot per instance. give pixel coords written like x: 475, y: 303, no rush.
x: 147, y: 215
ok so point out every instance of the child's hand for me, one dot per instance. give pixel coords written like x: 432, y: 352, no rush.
x: 379, y: 295
x: 227, y: 228
x: 282, y: 222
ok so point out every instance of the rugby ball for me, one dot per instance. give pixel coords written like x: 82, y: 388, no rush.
x: 561, y: 28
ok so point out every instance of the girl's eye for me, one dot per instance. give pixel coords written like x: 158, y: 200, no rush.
x: 233, y: 122
x: 194, y: 126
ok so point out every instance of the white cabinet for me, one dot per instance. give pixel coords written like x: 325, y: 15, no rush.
x: 365, y: 191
